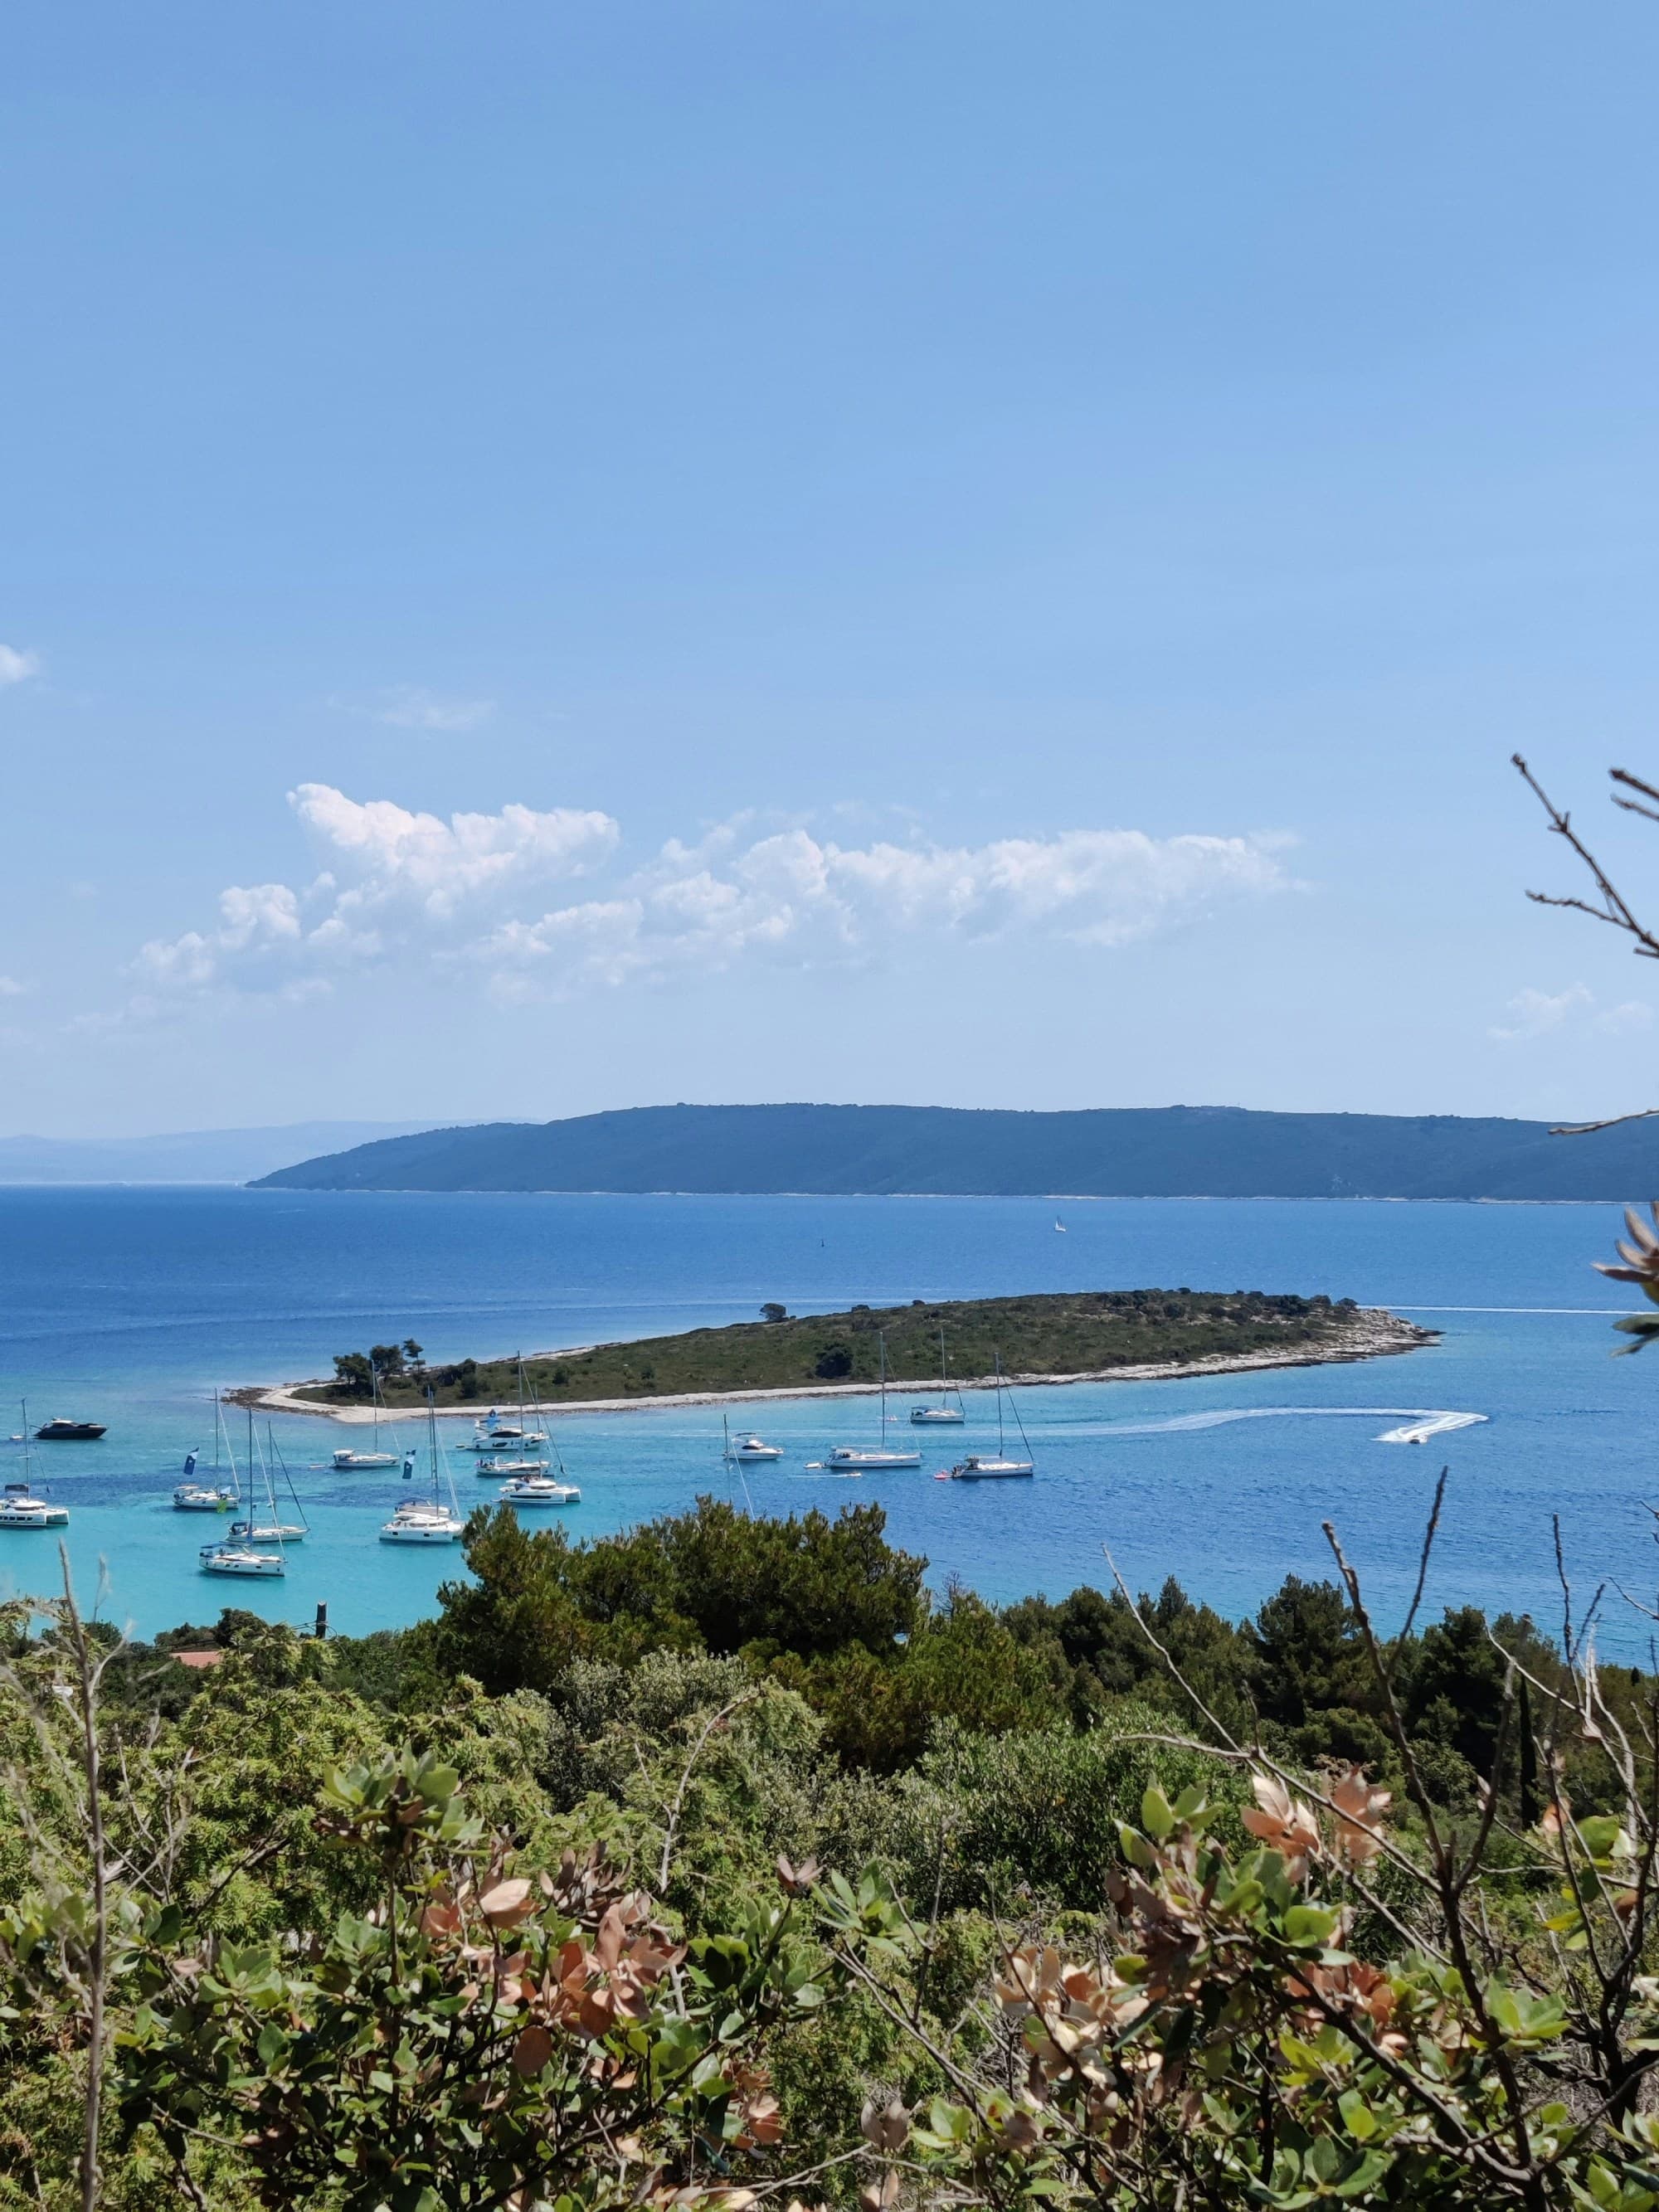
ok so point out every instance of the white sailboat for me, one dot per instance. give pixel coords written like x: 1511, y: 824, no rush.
x: 19, y: 1507
x: 274, y: 1530
x: 423, y: 1521
x: 860, y: 1457
x: 191, y: 1496
x: 998, y: 1467
x: 240, y: 1554
x: 944, y: 1415
x: 349, y: 1460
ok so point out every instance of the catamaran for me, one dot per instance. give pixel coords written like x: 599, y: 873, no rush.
x: 861, y: 1457
x: 427, y: 1521
x: 985, y: 1466
x: 19, y: 1507
x: 944, y: 1415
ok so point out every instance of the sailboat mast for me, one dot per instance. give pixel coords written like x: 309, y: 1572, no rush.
x: 996, y: 1359
x: 944, y: 1375
x: 881, y: 1342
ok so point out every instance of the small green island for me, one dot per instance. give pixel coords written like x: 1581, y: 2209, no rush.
x: 1070, y: 1333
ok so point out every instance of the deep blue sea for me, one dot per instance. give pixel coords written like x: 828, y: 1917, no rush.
x: 130, y: 1305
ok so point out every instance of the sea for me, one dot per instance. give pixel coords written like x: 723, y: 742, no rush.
x: 132, y: 1306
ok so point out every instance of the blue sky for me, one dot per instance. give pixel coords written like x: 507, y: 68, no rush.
x: 566, y: 557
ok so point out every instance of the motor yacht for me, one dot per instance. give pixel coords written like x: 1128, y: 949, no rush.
x: 57, y: 1431
x: 539, y: 1490
x: 755, y: 1449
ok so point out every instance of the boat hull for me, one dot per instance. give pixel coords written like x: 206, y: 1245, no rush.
x: 417, y: 1536
x: 930, y: 1417
x: 352, y: 1462
x: 996, y: 1470
x: 864, y: 1460
x: 252, y: 1565
x: 56, y: 1517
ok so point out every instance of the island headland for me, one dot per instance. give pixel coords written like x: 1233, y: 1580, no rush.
x: 1093, y: 1336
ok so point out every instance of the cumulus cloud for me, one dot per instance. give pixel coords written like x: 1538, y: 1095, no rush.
x: 1537, y: 1013
x: 472, y: 891
x: 11, y: 988
x: 15, y: 666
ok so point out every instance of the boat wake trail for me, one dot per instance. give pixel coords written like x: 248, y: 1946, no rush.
x: 1416, y: 1423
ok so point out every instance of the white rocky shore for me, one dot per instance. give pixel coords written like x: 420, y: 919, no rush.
x: 1373, y: 1334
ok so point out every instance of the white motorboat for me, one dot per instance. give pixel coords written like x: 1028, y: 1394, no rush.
x: 20, y: 1509
x: 497, y: 1428
x: 498, y: 1468
x: 998, y: 1465
x: 754, y: 1449
x: 427, y: 1520
x: 240, y: 1560
x: 539, y: 1490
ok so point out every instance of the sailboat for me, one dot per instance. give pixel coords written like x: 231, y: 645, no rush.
x: 240, y: 1554
x: 272, y: 1531
x: 983, y: 1467
x: 215, y: 1496
x: 349, y: 1460
x: 19, y: 1507
x: 855, y: 1455
x: 423, y: 1521
x: 944, y: 1414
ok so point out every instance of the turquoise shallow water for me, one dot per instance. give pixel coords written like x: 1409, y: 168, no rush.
x: 130, y: 1305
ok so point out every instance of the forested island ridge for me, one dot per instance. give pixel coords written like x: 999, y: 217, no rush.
x: 1050, y: 1338
x: 1170, y: 1151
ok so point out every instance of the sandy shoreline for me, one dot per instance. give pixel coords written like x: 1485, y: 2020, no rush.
x: 1377, y: 1334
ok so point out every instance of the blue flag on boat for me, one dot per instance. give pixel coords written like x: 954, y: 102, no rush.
x: 409, y: 1466
x: 190, y: 1465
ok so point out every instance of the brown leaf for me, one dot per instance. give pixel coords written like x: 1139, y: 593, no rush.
x: 533, y: 2050
x: 506, y: 1902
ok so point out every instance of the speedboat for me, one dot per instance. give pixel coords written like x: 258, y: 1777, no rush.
x: 239, y: 1559
x: 753, y: 1448
x: 201, y: 1497
x: 57, y: 1431
x: 498, y: 1468
x: 418, y: 1521
x: 936, y: 1417
x: 985, y: 1466
x: 350, y: 1462
x: 855, y: 1455
x: 539, y: 1490
x: 20, y: 1509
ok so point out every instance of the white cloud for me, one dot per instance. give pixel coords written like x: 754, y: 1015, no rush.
x: 1537, y: 1013
x: 412, y: 707
x: 472, y: 891
x: 15, y: 666
x: 11, y: 988
x: 396, y: 880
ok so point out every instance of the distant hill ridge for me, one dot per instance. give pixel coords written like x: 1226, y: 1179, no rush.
x: 1166, y: 1152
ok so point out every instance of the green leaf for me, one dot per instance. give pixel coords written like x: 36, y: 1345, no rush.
x: 1155, y: 1815
x: 1357, y: 2116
